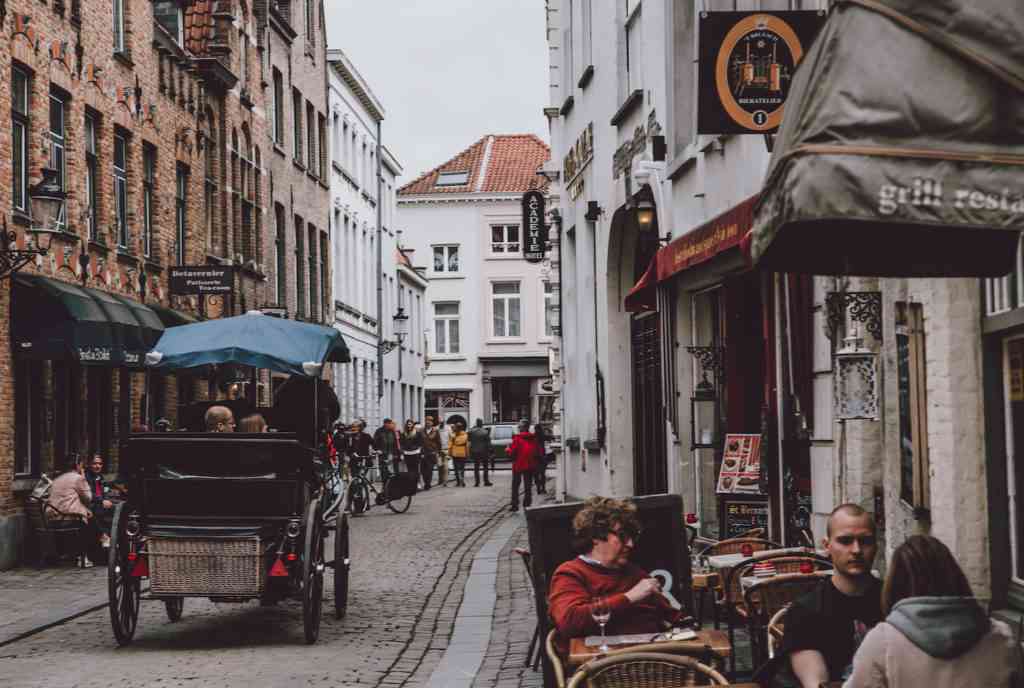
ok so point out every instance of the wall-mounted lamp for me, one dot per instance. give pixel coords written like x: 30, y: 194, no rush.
x: 594, y: 211
x: 645, y: 215
x: 856, y: 380
x: 47, y: 198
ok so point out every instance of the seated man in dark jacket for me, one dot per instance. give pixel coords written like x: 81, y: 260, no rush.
x: 102, y: 506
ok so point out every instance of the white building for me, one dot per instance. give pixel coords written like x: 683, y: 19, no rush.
x: 637, y: 417
x: 485, y: 306
x: 363, y: 215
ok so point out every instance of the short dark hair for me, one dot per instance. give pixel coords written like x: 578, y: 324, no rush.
x: 72, y: 461
x: 598, y: 517
x: 923, y: 567
x: 850, y: 509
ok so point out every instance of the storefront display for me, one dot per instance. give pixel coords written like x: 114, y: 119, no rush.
x: 741, y: 465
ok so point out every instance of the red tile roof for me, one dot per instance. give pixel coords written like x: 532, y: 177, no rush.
x: 198, y: 26
x: 512, y: 162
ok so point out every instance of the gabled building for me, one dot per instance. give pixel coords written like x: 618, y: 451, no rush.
x: 485, y: 305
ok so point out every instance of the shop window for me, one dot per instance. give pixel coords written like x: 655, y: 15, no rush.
x: 99, y: 417
x: 439, y: 404
x: 446, y: 328
x: 446, y: 258
x: 506, y: 309
x: 28, y: 412
x: 913, y: 401
x: 505, y: 239
x: 19, y: 138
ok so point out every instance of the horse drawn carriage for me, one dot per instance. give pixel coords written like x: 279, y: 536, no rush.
x: 231, y: 516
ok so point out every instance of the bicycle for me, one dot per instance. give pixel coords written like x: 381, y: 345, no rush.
x: 391, y: 494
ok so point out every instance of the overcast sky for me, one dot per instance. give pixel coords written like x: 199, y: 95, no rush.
x: 446, y: 71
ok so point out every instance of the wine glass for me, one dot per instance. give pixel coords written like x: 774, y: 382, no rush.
x: 602, y: 613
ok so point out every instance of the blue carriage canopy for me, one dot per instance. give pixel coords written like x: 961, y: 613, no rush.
x: 253, y: 339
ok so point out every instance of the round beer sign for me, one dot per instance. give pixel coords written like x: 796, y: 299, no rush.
x: 754, y: 70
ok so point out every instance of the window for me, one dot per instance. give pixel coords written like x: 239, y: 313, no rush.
x: 243, y: 61
x: 279, y: 244
x: 121, y: 188
x: 210, y: 190
x: 168, y: 14
x: 148, y: 184
x: 913, y: 400
x: 446, y: 259
x: 28, y: 417
x: 277, y: 113
x: 634, y: 48
x: 180, y: 213
x: 324, y: 296
x: 300, y: 261
x: 505, y: 239
x: 313, y: 291
x: 91, y: 177
x: 452, y: 179
x: 58, y: 160
x: 247, y: 189
x: 446, y: 328
x: 119, y: 41
x: 311, y: 164
x: 309, y: 21
x: 322, y: 135
x: 550, y: 310
x: 506, y: 309
x: 19, y: 138
x: 297, y: 124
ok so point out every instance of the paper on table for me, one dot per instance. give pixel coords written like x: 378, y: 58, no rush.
x: 634, y: 638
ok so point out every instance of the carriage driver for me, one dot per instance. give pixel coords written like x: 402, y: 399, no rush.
x: 219, y: 419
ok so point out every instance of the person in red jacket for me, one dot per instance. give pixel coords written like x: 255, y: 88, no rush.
x: 523, y: 451
x: 605, y: 532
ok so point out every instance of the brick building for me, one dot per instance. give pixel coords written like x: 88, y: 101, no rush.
x: 155, y: 116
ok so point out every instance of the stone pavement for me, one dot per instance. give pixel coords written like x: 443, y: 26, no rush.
x: 33, y: 600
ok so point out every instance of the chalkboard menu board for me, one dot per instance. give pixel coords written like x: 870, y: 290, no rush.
x: 742, y: 514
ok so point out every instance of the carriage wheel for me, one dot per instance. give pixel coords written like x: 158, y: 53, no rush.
x: 341, y: 566
x: 399, y: 505
x: 123, y: 590
x: 175, y: 606
x: 312, y: 574
x: 360, y: 497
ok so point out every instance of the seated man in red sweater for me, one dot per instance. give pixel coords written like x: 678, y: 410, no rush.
x: 605, y: 532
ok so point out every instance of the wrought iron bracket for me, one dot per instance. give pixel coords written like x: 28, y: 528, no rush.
x: 710, y: 359
x: 862, y: 306
x: 388, y: 345
x: 12, y: 258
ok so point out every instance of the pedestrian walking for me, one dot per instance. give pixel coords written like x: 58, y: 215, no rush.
x: 360, y: 447
x: 385, y: 442
x: 411, y: 443
x: 458, y: 449
x: 432, y: 453
x: 523, y: 451
x: 480, y: 451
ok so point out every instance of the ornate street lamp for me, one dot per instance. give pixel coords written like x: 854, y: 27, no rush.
x: 856, y: 380
x: 48, y: 200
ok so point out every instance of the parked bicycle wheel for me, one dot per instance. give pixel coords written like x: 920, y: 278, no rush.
x: 359, y: 496
x: 398, y: 491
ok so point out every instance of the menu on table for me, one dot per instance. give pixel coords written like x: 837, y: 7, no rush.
x: 741, y: 465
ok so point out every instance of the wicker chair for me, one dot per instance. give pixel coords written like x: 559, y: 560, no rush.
x: 766, y: 598
x: 555, y: 659
x: 752, y: 533
x: 776, y: 629
x: 645, y: 670
x: 735, y: 546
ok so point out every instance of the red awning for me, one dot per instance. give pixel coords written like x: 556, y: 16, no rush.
x: 644, y: 294
x: 707, y: 241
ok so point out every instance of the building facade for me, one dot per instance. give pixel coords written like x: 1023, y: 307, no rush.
x: 673, y: 353
x: 486, y: 307
x: 151, y: 117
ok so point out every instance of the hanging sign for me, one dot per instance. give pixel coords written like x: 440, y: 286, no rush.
x: 201, y: 279
x: 535, y: 240
x: 741, y: 465
x: 747, y: 60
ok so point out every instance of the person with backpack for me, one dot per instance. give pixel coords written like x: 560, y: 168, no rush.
x: 480, y: 451
x: 523, y: 451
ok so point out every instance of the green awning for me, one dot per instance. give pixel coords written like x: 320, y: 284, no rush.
x: 170, y: 317
x: 55, y: 320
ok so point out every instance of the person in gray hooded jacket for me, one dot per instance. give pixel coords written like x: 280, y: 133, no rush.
x: 935, y: 633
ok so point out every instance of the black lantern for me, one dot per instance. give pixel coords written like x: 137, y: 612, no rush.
x: 704, y: 404
x: 645, y: 215
x: 401, y: 323
x: 48, y: 199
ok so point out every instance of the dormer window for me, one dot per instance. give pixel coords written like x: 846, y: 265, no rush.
x: 169, y: 15
x: 452, y: 179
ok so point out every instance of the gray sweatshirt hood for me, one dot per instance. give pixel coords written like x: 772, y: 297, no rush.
x: 944, y: 627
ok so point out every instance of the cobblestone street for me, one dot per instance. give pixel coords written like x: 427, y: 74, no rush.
x: 409, y: 574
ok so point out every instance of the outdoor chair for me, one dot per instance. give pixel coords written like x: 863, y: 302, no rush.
x: 555, y: 659
x: 57, y: 537
x: 752, y: 533
x: 645, y: 670
x: 534, y: 652
x: 766, y: 598
x: 735, y: 546
x: 776, y: 629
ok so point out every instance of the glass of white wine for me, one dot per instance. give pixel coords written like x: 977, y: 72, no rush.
x: 602, y: 614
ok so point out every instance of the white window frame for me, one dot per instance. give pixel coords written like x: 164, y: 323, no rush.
x: 121, y: 192
x: 547, y: 295
x: 505, y: 301
x: 447, y: 319
x: 505, y: 247
x: 447, y: 251
x: 58, y: 150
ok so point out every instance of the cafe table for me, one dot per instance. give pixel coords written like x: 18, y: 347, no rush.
x: 706, y: 639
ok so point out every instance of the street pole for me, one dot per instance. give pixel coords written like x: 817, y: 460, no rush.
x: 380, y: 280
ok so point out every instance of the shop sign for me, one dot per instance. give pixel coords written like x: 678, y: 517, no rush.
x: 747, y: 61
x: 741, y: 465
x: 743, y: 516
x: 579, y: 156
x: 95, y: 354
x: 535, y: 242
x: 201, y: 279
x: 622, y: 161
x: 723, y: 233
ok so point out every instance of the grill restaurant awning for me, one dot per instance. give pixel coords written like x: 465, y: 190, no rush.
x: 55, y: 320
x: 900, y: 152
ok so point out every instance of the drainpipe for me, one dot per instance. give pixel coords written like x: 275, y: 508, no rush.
x: 380, y: 280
